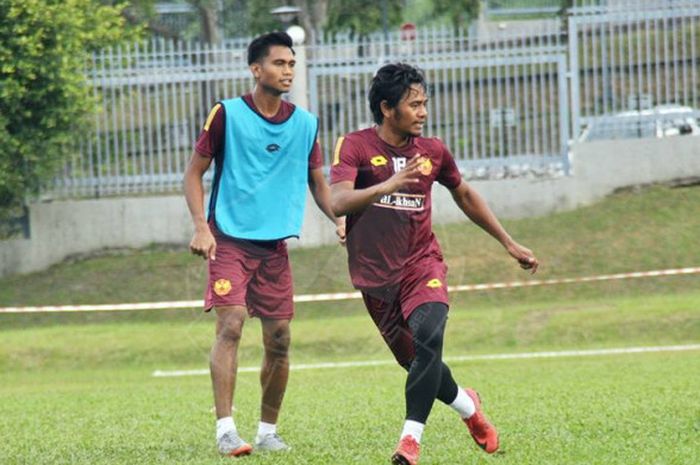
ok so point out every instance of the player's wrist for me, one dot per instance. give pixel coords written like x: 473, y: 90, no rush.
x: 383, y: 188
x: 201, y: 226
x: 508, y: 242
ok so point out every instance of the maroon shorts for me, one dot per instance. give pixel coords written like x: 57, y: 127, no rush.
x: 253, y: 275
x: 390, y: 307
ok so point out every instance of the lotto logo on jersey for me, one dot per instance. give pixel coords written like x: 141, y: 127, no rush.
x: 434, y: 283
x: 398, y: 201
x: 378, y: 160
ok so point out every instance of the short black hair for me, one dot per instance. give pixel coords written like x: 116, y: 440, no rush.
x: 391, y: 83
x: 260, y: 46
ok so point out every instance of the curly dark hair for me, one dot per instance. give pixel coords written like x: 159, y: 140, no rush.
x: 391, y: 83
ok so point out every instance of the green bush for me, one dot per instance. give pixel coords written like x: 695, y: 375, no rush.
x: 44, y: 99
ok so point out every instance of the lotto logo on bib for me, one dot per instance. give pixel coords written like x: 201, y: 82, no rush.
x: 398, y: 201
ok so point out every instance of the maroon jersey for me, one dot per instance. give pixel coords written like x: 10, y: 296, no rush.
x: 211, y: 139
x: 397, y: 229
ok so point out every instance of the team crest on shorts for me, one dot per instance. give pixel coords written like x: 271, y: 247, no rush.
x: 222, y: 287
x: 434, y: 283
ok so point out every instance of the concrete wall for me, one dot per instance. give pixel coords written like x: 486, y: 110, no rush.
x: 63, y: 228
x: 598, y: 169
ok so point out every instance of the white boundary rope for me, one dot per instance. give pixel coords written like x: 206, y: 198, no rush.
x: 461, y: 358
x: 352, y: 295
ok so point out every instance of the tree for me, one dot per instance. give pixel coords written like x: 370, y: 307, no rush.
x: 460, y: 12
x: 143, y: 13
x: 361, y: 17
x: 44, y: 99
x: 313, y: 14
x: 235, y: 18
x: 208, y: 14
x: 260, y: 19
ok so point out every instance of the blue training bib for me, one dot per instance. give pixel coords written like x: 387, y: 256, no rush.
x: 259, y: 190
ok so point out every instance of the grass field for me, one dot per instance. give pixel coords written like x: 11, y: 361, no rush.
x: 78, y: 388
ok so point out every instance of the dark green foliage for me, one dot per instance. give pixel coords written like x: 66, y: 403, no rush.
x: 260, y: 19
x: 460, y: 12
x: 44, y: 98
x: 361, y: 17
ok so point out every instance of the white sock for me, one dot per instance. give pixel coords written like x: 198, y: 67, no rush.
x: 223, y: 426
x: 264, y: 429
x: 463, y: 404
x: 413, y: 428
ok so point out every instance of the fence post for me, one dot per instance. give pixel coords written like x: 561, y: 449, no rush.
x: 574, y: 82
x: 299, y: 94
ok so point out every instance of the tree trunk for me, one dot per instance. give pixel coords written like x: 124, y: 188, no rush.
x: 313, y: 14
x: 210, y: 26
x: 208, y: 14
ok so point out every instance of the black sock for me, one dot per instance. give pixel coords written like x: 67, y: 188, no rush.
x: 424, y: 382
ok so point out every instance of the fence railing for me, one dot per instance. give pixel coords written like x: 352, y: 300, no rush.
x: 622, y: 6
x: 495, y: 104
x: 154, y: 98
x: 521, y: 7
x: 503, y: 103
x: 628, y: 63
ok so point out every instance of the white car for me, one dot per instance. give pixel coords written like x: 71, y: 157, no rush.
x: 659, y: 121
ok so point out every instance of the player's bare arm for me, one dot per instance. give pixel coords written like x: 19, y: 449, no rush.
x: 202, y: 243
x: 345, y: 199
x: 321, y: 193
x: 476, y: 208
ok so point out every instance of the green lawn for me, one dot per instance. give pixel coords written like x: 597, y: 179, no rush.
x: 657, y: 228
x: 84, y: 393
x: 599, y: 410
x: 78, y: 388
x: 340, y: 335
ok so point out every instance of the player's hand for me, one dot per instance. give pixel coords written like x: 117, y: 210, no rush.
x: 340, y: 230
x: 203, y: 244
x: 408, y: 176
x: 524, y: 256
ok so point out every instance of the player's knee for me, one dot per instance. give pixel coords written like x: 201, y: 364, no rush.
x: 428, y: 326
x: 230, y: 330
x: 428, y: 338
x: 277, y: 342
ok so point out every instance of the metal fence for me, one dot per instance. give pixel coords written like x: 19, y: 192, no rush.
x: 621, y: 6
x: 635, y: 68
x: 504, y: 104
x: 499, y: 105
x: 153, y: 100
